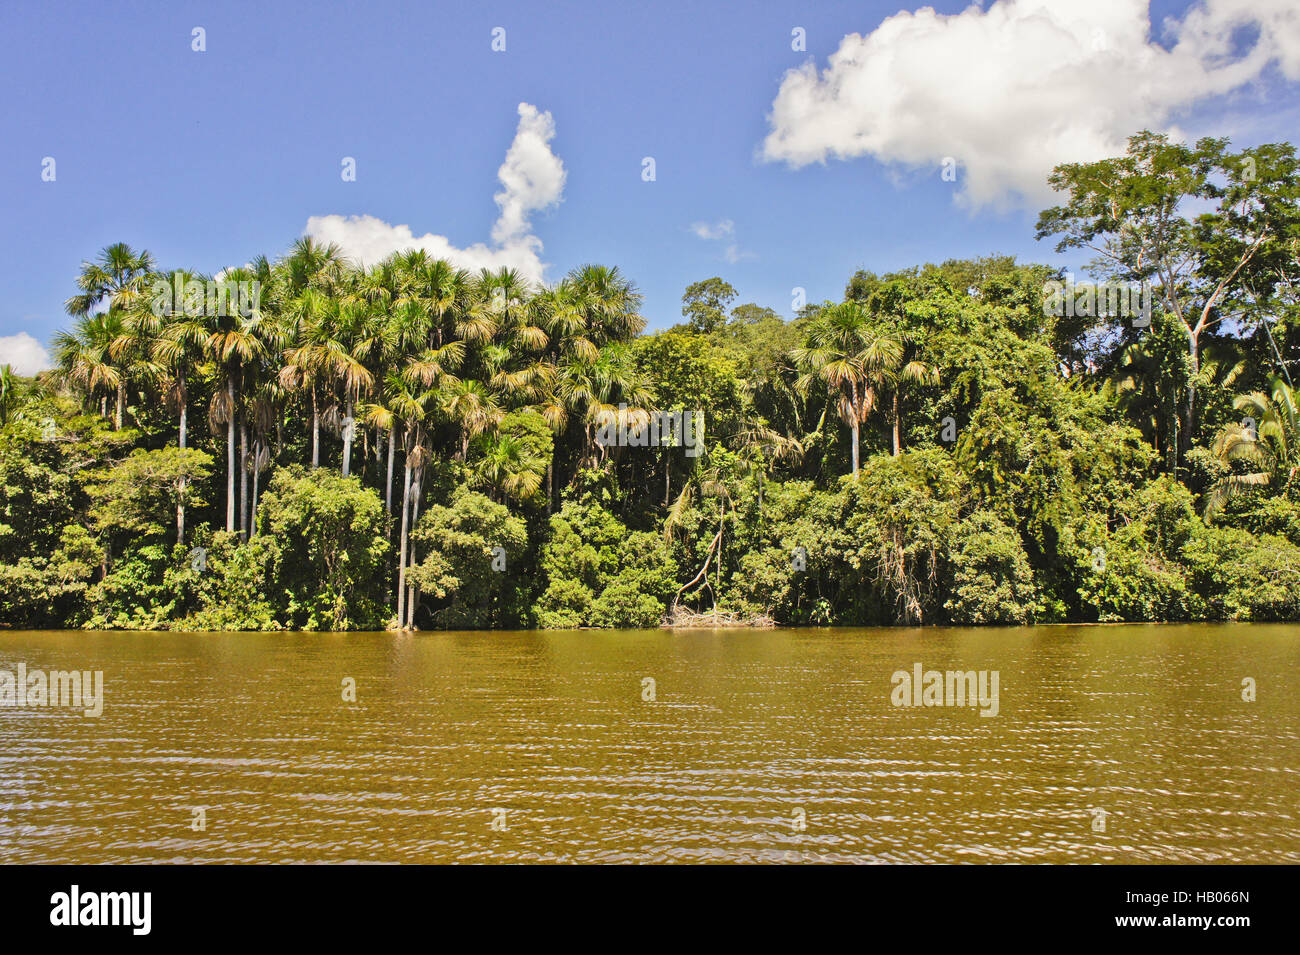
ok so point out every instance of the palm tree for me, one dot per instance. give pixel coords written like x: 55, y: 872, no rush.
x: 236, y: 344
x: 891, y: 378
x: 611, y: 303
x: 377, y: 287
x: 412, y: 405
x: 436, y: 297
x: 761, y: 447
x: 426, y: 333
x: 118, y: 278
x: 561, y: 315
x: 1148, y: 378
x: 1270, y: 446
x: 380, y: 413
x: 267, y: 395
x: 412, y: 345
x: 503, y: 309
x: 310, y: 264
x: 508, y: 468
x: 353, y: 336
x: 306, y: 360
x: 84, y: 356
x: 593, y: 392
x: 263, y: 410
x: 175, y: 344
x: 570, y: 361
x: 472, y: 407
x: 843, y: 349
x: 305, y: 288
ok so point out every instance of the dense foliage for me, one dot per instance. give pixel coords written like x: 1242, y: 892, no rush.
x: 409, y: 445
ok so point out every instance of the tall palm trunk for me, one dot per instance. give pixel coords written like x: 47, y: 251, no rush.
x: 1189, y: 406
x: 121, y: 401
x: 388, y: 483
x: 856, y: 424
x: 252, y: 511
x: 185, y: 418
x: 897, y: 444
x: 243, y: 480
x: 411, y: 596
x: 401, y: 552
x: 230, y: 455
x: 180, y: 504
x: 315, y: 430
x: 349, y: 426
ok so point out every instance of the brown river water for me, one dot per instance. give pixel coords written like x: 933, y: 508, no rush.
x: 1121, y: 744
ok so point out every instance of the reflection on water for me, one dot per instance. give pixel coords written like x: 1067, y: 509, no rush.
x: 747, y: 728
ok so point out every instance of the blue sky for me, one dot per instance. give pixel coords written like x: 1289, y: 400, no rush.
x: 210, y: 158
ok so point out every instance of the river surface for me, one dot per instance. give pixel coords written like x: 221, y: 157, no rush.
x: 1127, y: 744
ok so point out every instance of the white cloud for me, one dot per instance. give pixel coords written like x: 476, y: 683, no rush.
x: 704, y: 230
x: 368, y: 239
x: 532, y: 179
x: 1011, y: 91
x: 722, y: 229
x: 25, y: 354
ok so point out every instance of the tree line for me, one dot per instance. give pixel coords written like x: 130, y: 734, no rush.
x: 407, y: 444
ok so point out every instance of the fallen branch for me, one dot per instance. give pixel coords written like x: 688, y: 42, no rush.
x: 679, y: 618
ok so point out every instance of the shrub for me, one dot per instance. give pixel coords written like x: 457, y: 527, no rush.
x: 991, y: 581
x: 329, y: 569
x: 600, y: 575
x: 457, y: 575
x: 1237, y: 576
x: 1128, y: 580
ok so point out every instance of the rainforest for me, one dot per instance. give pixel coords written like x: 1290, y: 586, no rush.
x: 403, y: 444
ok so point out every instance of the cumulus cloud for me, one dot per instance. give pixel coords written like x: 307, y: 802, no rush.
x: 532, y: 175
x: 24, y: 354
x: 532, y: 179
x: 1011, y: 91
